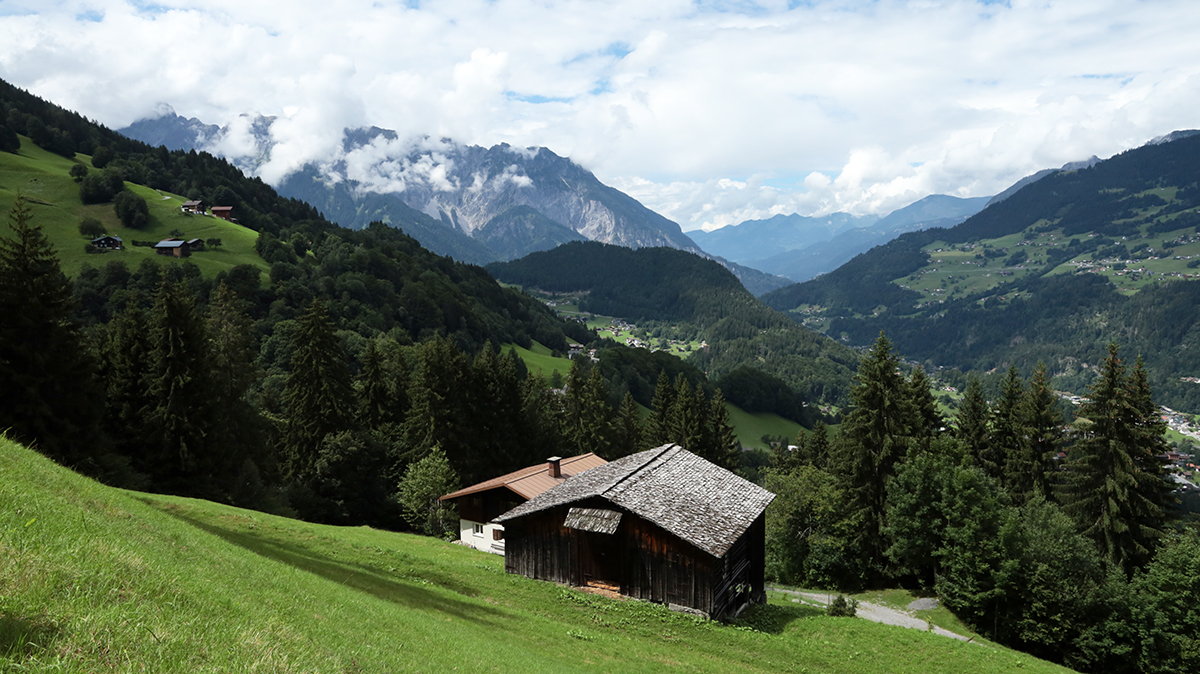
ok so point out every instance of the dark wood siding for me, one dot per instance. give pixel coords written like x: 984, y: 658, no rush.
x: 539, y: 547
x: 645, y: 560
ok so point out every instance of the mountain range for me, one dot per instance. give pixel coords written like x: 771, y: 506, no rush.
x: 475, y: 204
x: 1054, y: 272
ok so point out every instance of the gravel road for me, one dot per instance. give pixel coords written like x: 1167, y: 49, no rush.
x: 873, y: 612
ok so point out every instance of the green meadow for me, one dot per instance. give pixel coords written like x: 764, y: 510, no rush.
x: 96, y: 579
x: 53, y: 196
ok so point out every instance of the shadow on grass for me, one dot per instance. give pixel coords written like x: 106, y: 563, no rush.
x: 22, y: 637
x: 774, y: 618
x: 355, y: 576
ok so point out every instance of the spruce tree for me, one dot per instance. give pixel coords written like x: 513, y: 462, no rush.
x: 875, y: 436
x: 1006, y: 437
x: 972, y: 422
x: 1109, y: 485
x: 1151, y: 458
x: 588, y: 416
x: 376, y: 389
x: 180, y: 393
x: 928, y: 421
x: 318, y: 397
x: 1029, y: 469
x: 686, y: 421
x: 661, y: 406
x: 50, y: 397
x: 726, y: 449
x: 238, y: 431
x: 124, y: 355
x: 818, y: 446
x: 629, y: 435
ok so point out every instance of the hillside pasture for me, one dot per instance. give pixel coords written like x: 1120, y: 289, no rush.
x: 53, y: 196
x: 95, y: 579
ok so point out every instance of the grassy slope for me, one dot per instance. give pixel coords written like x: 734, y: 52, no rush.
x: 97, y: 579
x: 54, y: 199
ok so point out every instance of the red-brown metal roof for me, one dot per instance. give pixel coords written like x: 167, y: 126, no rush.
x: 531, y: 481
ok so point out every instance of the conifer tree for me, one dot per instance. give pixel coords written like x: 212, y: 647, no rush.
x: 50, y: 396
x: 1107, y: 486
x: 376, y: 389
x: 494, y: 424
x: 818, y: 446
x: 726, y: 449
x: 180, y: 392
x: 1006, y: 437
x: 1151, y: 457
x: 686, y: 421
x: 661, y: 408
x: 237, y: 428
x: 318, y: 396
x: 1029, y: 468
x: 587, y: 415
x: 124, y: 354
x: 875, y: 436
x: 972, y: 421
x: 928, y: 421
x: 629, y: 428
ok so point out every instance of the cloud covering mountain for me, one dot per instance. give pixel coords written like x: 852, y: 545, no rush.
x: 709, y: 113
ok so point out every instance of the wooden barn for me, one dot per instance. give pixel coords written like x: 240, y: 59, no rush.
x: 662, y: 525
x: 173, y: 247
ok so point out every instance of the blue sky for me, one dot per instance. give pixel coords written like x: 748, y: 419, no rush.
x: 708, y: 112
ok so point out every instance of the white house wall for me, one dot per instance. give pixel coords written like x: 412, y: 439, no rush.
x: 486, y: 541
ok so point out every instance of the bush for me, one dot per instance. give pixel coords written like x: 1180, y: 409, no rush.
x: 91, y: 228
x: 131, y: 209
x: 1193, y: 264
x: 842, y: 607
x: 8, y: 140
x: 97, y: 188
x: 101, y: 157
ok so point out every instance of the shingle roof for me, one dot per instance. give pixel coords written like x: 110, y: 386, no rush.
x: 529, y: 482
x: 684, y: 494
x: 593, y: 519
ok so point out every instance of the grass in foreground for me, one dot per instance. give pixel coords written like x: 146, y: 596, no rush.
x: 99, y: 579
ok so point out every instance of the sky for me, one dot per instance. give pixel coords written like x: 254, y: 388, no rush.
x: 708, y: 112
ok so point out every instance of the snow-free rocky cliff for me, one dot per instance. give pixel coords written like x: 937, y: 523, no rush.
x: 469, y: 189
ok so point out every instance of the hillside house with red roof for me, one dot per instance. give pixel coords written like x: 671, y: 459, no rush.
x: 479, y: 504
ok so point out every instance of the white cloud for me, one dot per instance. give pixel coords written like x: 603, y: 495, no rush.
x: 709, y: 114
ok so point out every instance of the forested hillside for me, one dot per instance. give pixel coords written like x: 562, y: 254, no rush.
x: 699, y: 299
x: 1054, y: 272
x: 314, y: 389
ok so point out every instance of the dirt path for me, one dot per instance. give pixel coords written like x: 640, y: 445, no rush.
x: 873, y: 612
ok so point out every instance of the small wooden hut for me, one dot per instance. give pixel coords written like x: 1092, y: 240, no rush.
x: 662, y: 525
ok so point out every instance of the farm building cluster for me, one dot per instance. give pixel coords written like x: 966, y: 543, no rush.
x: 663, y: 525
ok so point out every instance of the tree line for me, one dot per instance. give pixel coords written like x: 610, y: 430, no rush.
x: 1062, y: 540
x: 214, y: 388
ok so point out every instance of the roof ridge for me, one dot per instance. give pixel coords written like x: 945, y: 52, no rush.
x: 665, y: 448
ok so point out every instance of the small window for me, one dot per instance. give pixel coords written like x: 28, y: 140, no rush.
x: 478, y: 529
x: 497, y: 534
